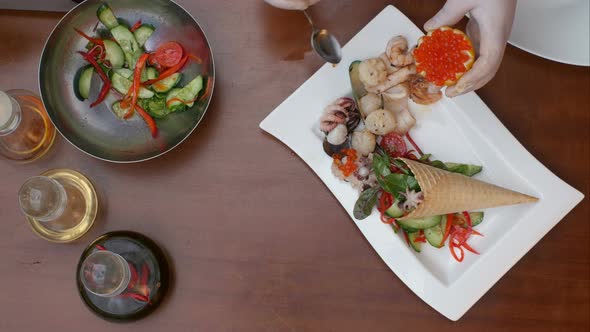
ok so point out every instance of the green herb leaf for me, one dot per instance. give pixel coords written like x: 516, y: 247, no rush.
x: 381, y: 165
x: 365, y: 203
x: 425, y: 157
x: 396, y: 184
x: 465, y: 169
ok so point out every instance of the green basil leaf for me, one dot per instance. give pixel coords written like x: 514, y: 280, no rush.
x: 365, y: 203
x: 438, y: 164
x: 465, y: 169
x: 381, y: 165
x: 425, y: 157
x: 396, y: 184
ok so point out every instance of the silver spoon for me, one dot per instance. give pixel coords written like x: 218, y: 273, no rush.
x: 324, y: 43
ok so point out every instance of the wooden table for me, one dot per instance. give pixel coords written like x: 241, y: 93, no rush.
x: 257, y: 241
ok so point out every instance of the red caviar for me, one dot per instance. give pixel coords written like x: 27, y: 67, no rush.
x: 349, y: 166
x: 443, y: 56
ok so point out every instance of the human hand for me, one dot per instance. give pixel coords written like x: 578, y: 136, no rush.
x: 489, y: 27
x: 292, y: 4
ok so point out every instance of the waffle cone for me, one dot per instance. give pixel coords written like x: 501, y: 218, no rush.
x: 446, y: 192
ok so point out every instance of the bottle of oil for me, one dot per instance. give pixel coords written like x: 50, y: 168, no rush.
x: 60, y: 205
x: 26, y: 133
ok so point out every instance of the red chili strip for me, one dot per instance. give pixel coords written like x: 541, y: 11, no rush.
x: 452, y: 247
x: 135, y: 296
x: 196, y: 58
x: 99, y: 247
x: 414, y: 144
x: 168, y: 72
x: 107, y: 84
x: 137, y: 79
x: 208, y: 88
x: 135, y: 26
x: 420, y: 238
x: 134, y: 277
x: 148, y: 120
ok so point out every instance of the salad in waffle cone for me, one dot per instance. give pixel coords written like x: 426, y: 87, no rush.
x: 368, y: 138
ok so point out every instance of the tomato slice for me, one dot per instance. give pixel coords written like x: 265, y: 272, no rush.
x: 168, y: 54
x: 394, y: 145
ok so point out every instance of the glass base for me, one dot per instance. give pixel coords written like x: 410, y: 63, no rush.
x: 80, y: 213
x: 150, y: 277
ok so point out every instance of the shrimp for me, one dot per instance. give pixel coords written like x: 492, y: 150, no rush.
x: 388, y: 65
x: 372, y: 72
x: 397, y: 52
x: 424, y: 92
x: 400, y: 76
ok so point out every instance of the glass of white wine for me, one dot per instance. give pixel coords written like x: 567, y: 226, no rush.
x: 60, y: 205
x: 26, y: 133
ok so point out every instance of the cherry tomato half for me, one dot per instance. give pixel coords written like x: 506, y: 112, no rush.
x: 168, y: 54
x: 394, y: 145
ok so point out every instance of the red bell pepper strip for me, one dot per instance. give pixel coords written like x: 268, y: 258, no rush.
x: 168, y: 72
x: 97, y: 41
x: 107, y: 84
x: 148, y: 119
x: 137, y: 79
x: 135, y: 26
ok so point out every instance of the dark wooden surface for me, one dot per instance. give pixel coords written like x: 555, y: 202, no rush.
x: 257, y: 241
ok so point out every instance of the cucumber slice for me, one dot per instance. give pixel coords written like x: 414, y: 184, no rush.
x: 156, y: 107
x: 82, y: 82
x: 434, y: 235
x: 118, y: 110
x: 394, y: 211
x: 106, y: 16
x: 123, y: 85
x: 114, y: 53
x: 143, y: 33
x: 417, y: 246
x: 168, y: 83
x: 175, y: 106
x: 358, y: 88
x: 128, y: 43
x: 127, y: 73
x: 420, y: 223
x: 476, y: 218
x: 152, y: 73
x: 189, y: 92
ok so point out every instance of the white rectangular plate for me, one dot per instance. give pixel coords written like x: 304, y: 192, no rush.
x: 460, y: 130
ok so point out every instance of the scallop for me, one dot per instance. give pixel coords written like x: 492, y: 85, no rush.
x: 338, y: 135
x: 380, y: 122
x: 363, y: 142
x: 369, y: 103
x: 372, y: 72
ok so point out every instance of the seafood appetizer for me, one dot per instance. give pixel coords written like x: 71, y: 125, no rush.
x: 147, y: 82
x: 368, y: 138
